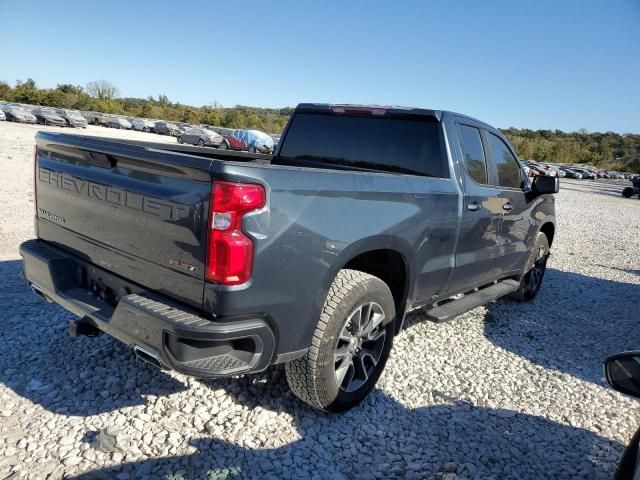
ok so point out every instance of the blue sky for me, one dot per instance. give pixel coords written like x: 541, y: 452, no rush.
x: 539, y: 64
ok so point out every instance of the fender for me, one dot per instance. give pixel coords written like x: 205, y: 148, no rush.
x: 367, y: 244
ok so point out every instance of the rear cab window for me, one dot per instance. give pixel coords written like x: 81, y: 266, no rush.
x: 475, y: 161
x: 403, y: 145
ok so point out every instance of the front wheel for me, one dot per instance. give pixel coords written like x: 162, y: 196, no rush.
x: 222, y: 146
x: 179, y: 139
x: 350, y: 345
x: 536, y: 268
x: 628, y: 192
x: 201, y: 143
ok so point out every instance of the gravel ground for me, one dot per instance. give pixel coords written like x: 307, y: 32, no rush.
x: 507, y: 391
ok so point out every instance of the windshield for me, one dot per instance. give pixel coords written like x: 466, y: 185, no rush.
x: 407, y: 145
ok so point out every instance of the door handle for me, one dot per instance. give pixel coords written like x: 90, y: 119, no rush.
x: 473, y: 207
x: 507, y: 206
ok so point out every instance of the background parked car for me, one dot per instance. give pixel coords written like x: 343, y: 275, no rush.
x: 143, y: 125
x: 96, y: 118
x: 2, y: 116
x: 73, y: 118
x: 167, y: 128
x: 256, y: 140
x: 233, y: 143
x: 585, y: 173
x: 543, y: 169
x: 49, y: 117
x: 570, y: 173
x: 558, y: 170
x: 120, y: 123
x: 17, y: 114
x: 201, y: 137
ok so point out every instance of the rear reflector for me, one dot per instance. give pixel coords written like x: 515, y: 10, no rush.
x: 229, y: 250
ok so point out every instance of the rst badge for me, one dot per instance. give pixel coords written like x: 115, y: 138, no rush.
x: 183, y: 265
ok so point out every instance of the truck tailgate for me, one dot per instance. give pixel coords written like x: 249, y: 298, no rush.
x: 138, y: 212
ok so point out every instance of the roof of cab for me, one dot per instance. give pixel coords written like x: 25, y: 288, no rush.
x: 373, y: 109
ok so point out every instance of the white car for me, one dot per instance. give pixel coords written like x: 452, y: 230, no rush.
x: 2, y: 116
x: 143, y: 125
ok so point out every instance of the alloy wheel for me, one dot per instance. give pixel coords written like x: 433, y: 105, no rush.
x: 359, y: 347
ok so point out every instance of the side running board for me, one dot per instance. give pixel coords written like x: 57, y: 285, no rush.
x: 454, y: 308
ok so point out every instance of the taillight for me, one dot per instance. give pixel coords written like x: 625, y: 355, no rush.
x: 229, y: 250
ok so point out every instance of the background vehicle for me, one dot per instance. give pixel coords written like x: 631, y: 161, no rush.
x: 570, y: 173
x: 167, y: 128
x: 119, y: 123
x: 201, y: 137
x: 559, y: 172
x: 49, y: 117
x: 2, y: 116
x: 16, y: 114
x: 623, y: 374
x: 257, y: 141
x: 233, y: 143
x: 73, y: 118
x: 95, y: 118
x: 585, y: 173
x: 143, y: 125
x: 221, y: 263
x: 542, y: 169
x: 629, y: 192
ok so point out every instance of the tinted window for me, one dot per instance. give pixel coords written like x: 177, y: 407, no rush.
x: 408, y: 146
x: 506, y: 165
x: 473, y: 152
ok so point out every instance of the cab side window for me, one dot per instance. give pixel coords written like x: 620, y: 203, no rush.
x: 473, y: 152
x: 506, y: 164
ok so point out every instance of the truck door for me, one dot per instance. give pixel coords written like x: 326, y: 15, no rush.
x: 509, y: 177
x: 481, y: 251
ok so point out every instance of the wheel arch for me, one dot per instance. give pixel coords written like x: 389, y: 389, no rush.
x: 388, y: 258
x: 549, y: 229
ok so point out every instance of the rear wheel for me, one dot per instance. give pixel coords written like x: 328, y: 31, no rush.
x: 350, y: 346
x: 628, y: 192
x: 536, y: 268
x: 179, y: 138
x: 201, y: 143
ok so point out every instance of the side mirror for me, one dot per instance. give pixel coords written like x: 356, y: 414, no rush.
x: 542, y: 184
x: 623, y: 372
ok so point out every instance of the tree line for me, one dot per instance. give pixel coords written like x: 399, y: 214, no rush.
x: 102, y: 96
x: 607, y: 150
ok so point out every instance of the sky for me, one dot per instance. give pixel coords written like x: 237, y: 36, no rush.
x: 543, y: 64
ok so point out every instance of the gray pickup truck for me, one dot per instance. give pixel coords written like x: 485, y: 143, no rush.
x: 220, y: 263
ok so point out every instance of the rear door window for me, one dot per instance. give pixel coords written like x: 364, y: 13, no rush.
x: 507, y: 168
x: 473, y: 153
x: 402, y: 145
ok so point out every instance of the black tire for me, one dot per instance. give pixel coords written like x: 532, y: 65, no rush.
x: 314, y: 378
x: 628, y: 192
x: 201, y: 143
x: 179, y: 138
x: 223, y: 146
x: 536, y: 268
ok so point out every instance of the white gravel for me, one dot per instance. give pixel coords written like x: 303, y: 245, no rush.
x: 508, y: 391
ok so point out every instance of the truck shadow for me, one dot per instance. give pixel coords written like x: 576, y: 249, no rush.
x: 586, y: 320
x: 384, y: 439
x: 71, y: 376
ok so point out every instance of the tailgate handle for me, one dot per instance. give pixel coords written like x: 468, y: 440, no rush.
x: 100, y: 159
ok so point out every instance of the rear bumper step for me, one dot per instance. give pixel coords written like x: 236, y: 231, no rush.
x: 454, y: 308
x: 161, y: 333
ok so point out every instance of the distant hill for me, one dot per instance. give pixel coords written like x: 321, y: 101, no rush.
x: 592, y: 148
